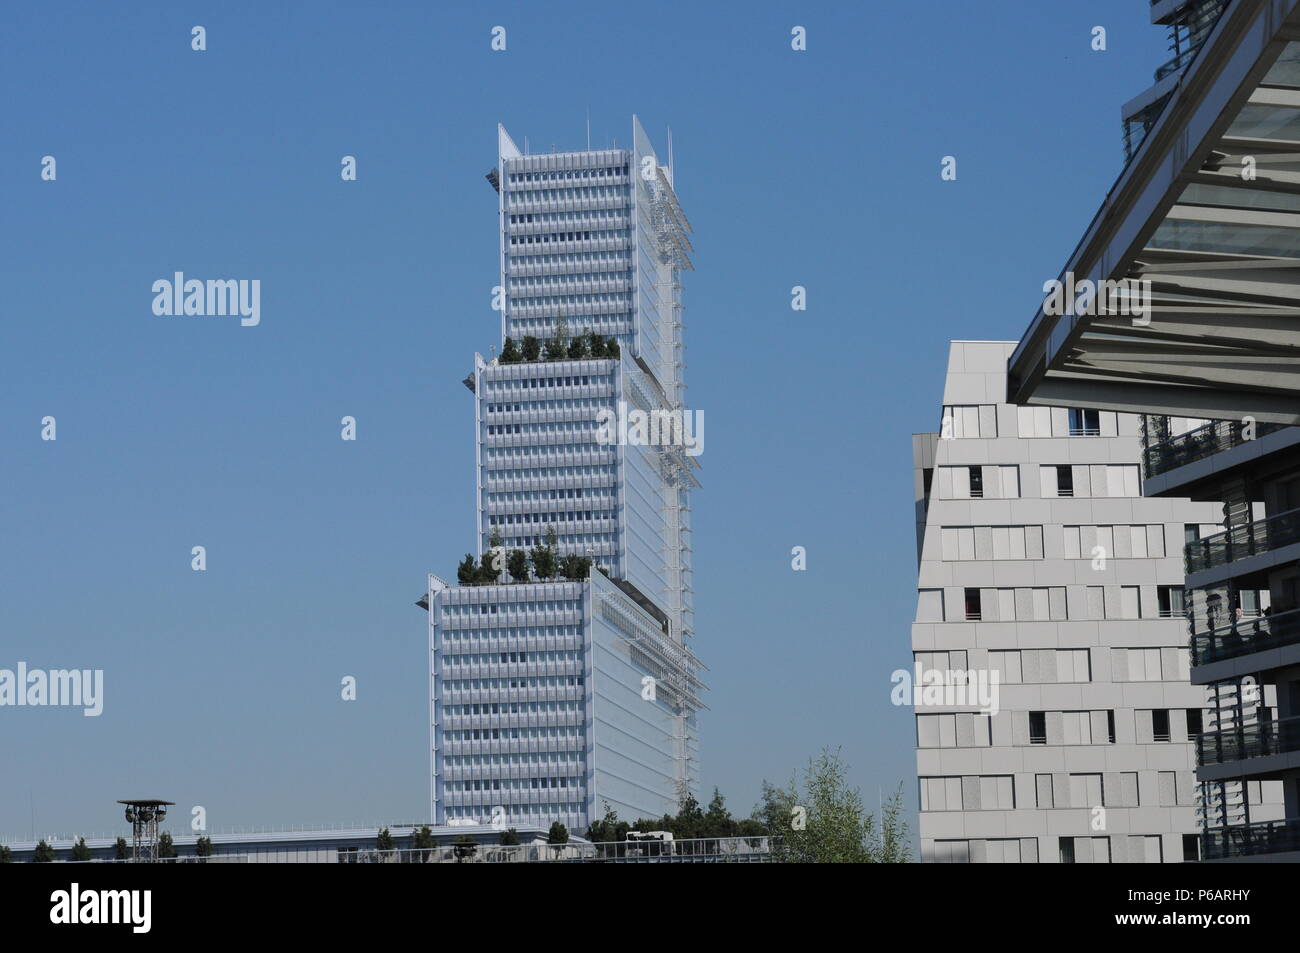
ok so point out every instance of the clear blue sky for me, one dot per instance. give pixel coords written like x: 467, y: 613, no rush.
x: 818, y: 168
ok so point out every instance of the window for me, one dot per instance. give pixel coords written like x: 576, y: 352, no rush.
x: 1072, y: 665
x: 1084, y: 423
x: 976, y: 483
x: 929, y: 605
x: 1129, y: 605
x: 1038, y: 728
x: 1066, y: 848
x: 1195, y: 722
x: 1065, y: 481
x: 1110, y: 725
x: 1170, y: 601
x: 1191, y: 847
x: 972, y: 605
x: 1160, y: 724
x: 1085, y: 790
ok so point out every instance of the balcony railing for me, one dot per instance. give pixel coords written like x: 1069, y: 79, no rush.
x: 1270, y: 837
x: 1240, y: 542
x: 1248, y: 741
x: 1204, y: 441
x: 1246, y: 636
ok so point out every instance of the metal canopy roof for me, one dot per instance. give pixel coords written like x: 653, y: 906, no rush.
x: 1208, y: 211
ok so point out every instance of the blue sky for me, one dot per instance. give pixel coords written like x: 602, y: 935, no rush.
x: 818, y: 168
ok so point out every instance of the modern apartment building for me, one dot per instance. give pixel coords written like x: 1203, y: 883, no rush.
x: 556, y: 693
x: 1208, y: 212
x: 1040, y: 562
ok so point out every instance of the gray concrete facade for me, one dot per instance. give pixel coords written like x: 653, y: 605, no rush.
x: 1041, y: 564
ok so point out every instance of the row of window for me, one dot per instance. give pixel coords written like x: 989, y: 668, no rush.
x: 980, y: 421
x: 547, y: 733
x: 620, y: 299
x: 510, y: 519
x: 1053, y: 604
x: 1002, y: 481
x: 975, y: 730
x: 531, y: 633
x: 573, y: 175
x: 533, y: 383
x: 503, y: 734
x: 1140, y: 541
x: 525, y: 286
x: 567, y: 474
x: 518, y: 784
x: 550, y: 238
x: 553, y: 605
x: 500, y: 684
x: 1138, y: 848
x: 575, y: 193
x: 1051, y: 792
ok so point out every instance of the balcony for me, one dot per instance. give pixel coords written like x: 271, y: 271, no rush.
x: 1270, y: 837
x: 1248, y: 741
x: 1246, y: 636
x: 1205, y: 441
x: 1240, y: 542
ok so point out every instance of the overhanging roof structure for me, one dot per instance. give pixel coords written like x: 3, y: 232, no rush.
x: 1208, y: 211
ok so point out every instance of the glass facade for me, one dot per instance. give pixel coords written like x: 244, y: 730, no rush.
x: 554, y: 697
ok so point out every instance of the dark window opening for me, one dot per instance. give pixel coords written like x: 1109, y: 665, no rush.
x: 1038, y: 727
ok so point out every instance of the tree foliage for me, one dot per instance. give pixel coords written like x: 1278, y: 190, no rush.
x: 824, y: 821
x: 44, y: 853
x: 81, y: 850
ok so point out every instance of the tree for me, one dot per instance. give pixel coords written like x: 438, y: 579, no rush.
x: 596, y: 344
x: 464, y: 848
x: 825, y: 822
x: 558, y: 346
x: 466, y: 574
x: 510, y: 352
x: 488, y: 575
x: 384, y: 841
x: 612, y: 349
x: 510, y: 837
x: 557, y: 837
x: 543, y: 558
x: 166, y: 849
x: 532, y: 348
x: 689, y: 823
x: 203, y: 847
x: 578, y: 348
x: 575, y: 567
x: 422, y: 841
x: 609, y: 828
x: 551, y: 539
x: 44, y: 853
x: 894, y: 846
x: 517, y: 564
x: 120, y: 850
x: 80, y: 850
x: 718, y: 821
x: 6, y: 855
